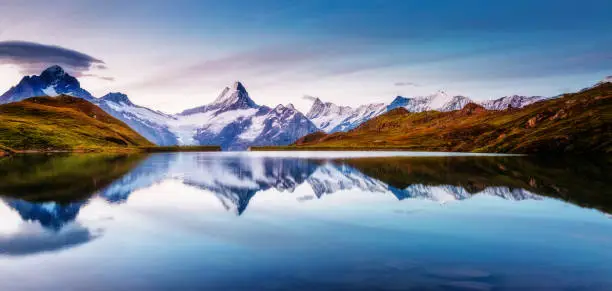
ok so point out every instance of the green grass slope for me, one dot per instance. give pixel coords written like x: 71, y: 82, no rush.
x: 574, y: 123
x: 63, y: 123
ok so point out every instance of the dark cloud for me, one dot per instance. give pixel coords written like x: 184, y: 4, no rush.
x: 410, y: 84
x: 32, y: 58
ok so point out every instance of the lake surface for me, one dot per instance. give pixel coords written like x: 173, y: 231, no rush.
x: 304, y: 221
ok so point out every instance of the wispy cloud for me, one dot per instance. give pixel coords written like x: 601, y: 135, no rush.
x: 406, y: 84
x: 105, y: 78
x: 32, y: 58
x: 309, y: 98
x: 298, y: 62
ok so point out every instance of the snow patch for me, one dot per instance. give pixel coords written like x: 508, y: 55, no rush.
x: 50, y: 91
x: 256, y: 128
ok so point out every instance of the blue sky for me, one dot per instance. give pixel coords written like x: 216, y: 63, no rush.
x: 172, y: 55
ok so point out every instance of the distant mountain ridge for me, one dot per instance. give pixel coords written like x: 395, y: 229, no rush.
x: 330, y: 117
x: 440, y: 101
x: 511, y: 102
x: 574, y: 123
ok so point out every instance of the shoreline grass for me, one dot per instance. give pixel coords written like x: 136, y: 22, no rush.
x: 4, y: 151
x: 344, y: 148
x: 159, y: 149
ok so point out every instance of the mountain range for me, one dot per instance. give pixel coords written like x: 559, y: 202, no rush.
x: 578, y: 123
x: 234, y: 120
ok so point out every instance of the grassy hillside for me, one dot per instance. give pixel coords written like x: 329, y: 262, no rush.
x: 576, y: 123
x: 63, y: 123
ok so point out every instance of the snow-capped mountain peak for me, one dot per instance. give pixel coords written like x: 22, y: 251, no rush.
x: 235, y: 121
x: 117, y: 97
x: 231, y: 98
x: 439, y: 99
x: 238, y: 86
x: 317, y: 108
x: 235, y: 97
x: 51, y: 82
x: 53, y: 74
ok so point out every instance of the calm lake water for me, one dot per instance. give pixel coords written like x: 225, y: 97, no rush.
x: 304, y: 221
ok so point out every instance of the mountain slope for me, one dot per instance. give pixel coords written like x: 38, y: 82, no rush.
x: 578, y: 123
x: 439, y: 101
x: 151, y: 124
x: 235, y: 122
x: 330, y: 117
x: 62, y: 123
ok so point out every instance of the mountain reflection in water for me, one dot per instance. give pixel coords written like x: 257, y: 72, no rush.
x: 52, y: 189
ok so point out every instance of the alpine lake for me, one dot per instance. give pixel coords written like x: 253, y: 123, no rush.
x: 305, y: 221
